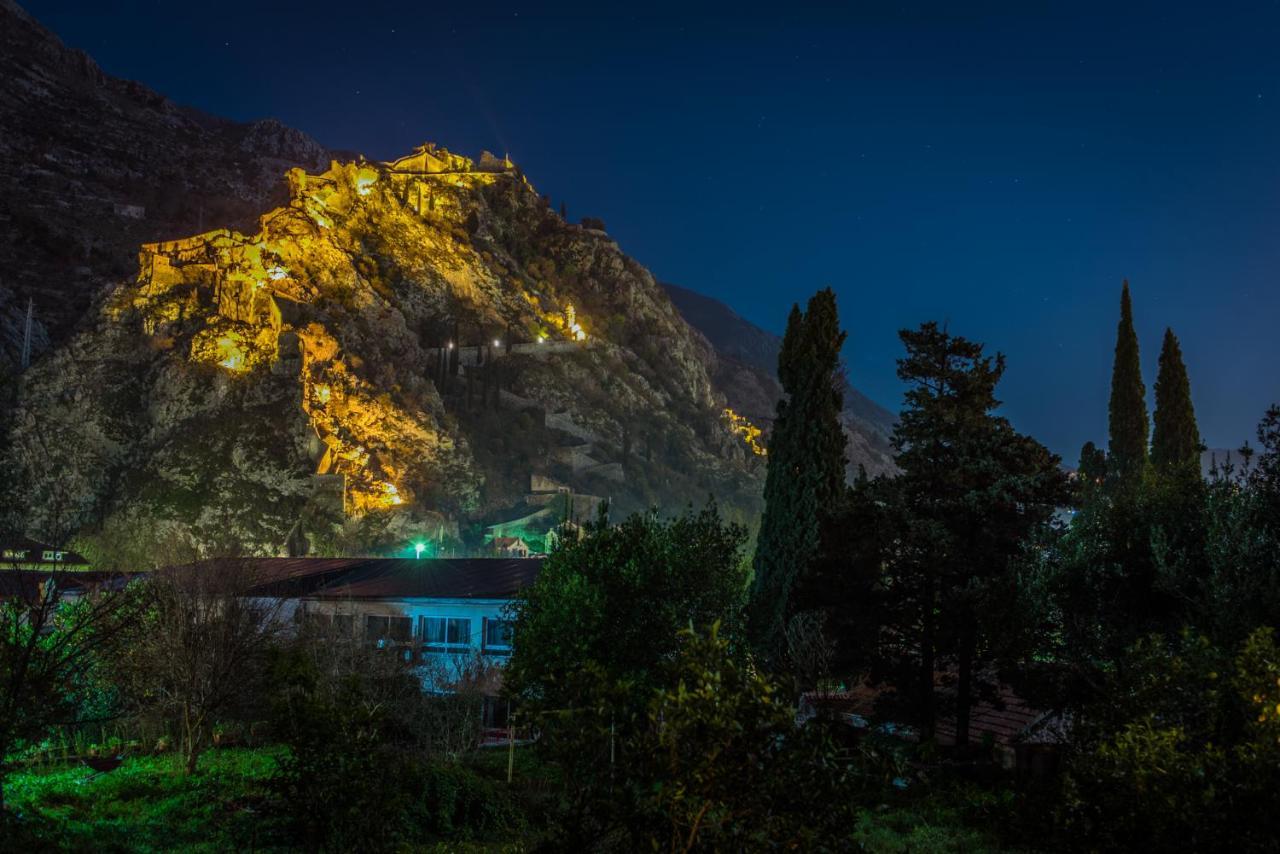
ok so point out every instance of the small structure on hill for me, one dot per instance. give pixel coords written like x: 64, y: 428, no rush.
x: 509, y: 547
x: 23, y: 553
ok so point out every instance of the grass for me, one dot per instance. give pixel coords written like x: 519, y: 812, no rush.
x: 148, y: 805
x: 945, y: 820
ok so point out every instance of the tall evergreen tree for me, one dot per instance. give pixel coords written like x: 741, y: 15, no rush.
x: 806, y: 462
x: 972, y: 494
x: 1175, y: 439
x: 1127, y: 410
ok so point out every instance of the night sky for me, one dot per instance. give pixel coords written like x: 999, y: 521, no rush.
x: 1002, y: 170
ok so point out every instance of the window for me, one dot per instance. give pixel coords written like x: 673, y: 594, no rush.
x: 445, y: 633
x: 497, y: 636
x: 378, y: 628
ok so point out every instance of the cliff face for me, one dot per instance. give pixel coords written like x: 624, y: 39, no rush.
x: 92, y: 166
x: 324, y: 376
x: 403, y: 349
x: 746, y: 373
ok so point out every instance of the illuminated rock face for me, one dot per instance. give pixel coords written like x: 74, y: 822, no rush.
x: 269, y: 373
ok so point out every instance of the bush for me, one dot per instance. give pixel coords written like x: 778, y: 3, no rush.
x: 364, y: 768
x: 1184, y: 754
x: 453, y: 801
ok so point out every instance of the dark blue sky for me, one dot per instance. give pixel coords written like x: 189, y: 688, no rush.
x: 1002, y: 168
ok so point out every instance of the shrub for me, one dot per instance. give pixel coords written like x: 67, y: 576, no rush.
x: 1184, y: 753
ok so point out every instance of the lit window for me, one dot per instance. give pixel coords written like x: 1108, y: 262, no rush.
x: 445, y: 633
x: 497, y: 636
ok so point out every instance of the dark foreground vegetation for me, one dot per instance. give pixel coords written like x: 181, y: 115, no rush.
x: 675, y: 693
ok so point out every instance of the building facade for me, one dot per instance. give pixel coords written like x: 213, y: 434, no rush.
x: 446, y: 616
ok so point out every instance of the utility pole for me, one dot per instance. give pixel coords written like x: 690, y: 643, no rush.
x: 26, y: 333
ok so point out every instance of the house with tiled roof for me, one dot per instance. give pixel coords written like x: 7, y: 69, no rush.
x: 1018, y: 734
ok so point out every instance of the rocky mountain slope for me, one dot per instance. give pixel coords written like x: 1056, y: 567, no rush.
x: 401, y: 350
x: 92, y: 166
x: 348, y: 356
x: 746, y: 373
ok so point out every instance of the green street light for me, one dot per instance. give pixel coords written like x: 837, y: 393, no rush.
x: 418, y: 549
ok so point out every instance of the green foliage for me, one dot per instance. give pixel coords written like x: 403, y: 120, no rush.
x: 939, y: 821
x: 806, y: 466
x: 950, y: 529
x: 593, y: 638
x: 360, y: 772
x: 1171, y: 552
x: 619, y: 599
x: 1183, y: 752
x: 196, y: 654
x: 721, y: 765
x: 1127, y: 410
x: 1092, y: 471
x: 707, y: 757
x: 147, y: 805
x: 51, y: 660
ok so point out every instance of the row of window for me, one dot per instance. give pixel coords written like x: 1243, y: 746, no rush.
x: 437, y: 634
x: 21, y: 554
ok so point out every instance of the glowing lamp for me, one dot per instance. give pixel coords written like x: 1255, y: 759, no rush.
x: 497, y: 343
x: 418, y: 549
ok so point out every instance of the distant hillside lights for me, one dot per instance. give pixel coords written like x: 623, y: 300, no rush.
x: 241, y: 298
x: 365, y: 179
x: 749, y: 432
x: 231, y: 353
x: 391, y: 495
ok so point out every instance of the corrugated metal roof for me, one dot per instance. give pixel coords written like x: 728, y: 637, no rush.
x: 394, y: 578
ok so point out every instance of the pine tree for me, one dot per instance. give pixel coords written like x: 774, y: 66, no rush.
x: 1175, y: 439
x: 806, y: 464
x: 1127, y: 410
x: 972, y: 493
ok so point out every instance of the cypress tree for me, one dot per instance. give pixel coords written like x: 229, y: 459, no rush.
x: 1127, y: 410
x: 806, y: 464
x: 1175, y: 439
x: 824, y: 398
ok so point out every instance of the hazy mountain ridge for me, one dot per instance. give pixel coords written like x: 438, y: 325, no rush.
x: 747, y: 375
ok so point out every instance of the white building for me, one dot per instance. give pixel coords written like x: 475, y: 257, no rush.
x: 446, y: 615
